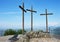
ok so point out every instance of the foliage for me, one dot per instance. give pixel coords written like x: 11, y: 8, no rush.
x: 20, y: 31
x: 40, y: 31
x: 9, y: 32
x: 12, y: 32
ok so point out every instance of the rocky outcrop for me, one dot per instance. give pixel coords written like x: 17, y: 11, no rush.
x: 23, y: 38
x: 37, y: 34
x: 29, y: 35
x: 34, y: 38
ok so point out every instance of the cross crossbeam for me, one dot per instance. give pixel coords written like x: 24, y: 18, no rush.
x: 46, y: 14
x: 31, y: 10
x: 22, y: 8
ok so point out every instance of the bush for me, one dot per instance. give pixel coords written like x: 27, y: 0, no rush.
x: 9, y: 32
x: 12, y: 32
x: 40, y: 31
x: 20, y: 31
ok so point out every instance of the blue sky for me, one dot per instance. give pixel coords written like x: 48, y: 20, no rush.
x: 11, y: 14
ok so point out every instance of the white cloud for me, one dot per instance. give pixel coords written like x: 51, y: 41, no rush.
x: 10, y: 25
x: 9, y: 12
x: 44, y: 24
x: 53, y: 24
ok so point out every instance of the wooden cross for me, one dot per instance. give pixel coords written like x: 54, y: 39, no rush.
x: 23, y: 10
x: 31, y: 10
x: 47, y: 18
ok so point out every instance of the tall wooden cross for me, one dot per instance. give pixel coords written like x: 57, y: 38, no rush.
x: 47, y: 18
x: 31, y: 10
x: 23, y: 10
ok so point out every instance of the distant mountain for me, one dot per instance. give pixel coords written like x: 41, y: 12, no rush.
x: 1, y: 32
x: 56, y: 31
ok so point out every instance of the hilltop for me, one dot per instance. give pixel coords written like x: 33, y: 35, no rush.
x: 32, y: 39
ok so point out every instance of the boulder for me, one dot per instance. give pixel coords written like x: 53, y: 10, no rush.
x: 23, y: 38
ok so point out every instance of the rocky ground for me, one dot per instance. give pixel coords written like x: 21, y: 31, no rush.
x: 32, y: 37
x: 44, y: 40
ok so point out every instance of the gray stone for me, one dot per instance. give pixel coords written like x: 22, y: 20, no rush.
x: 24, y: 38
x: 37, y: 34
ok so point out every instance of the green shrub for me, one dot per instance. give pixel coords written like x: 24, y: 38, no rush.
x: 40, y: 31
x: 9, y: 32
x: 12, y: 32
x: 20, y: 31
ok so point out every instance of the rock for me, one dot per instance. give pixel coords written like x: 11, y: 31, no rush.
x: 30, y: 34
x: 23, y: 38
x: 37, y: 34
